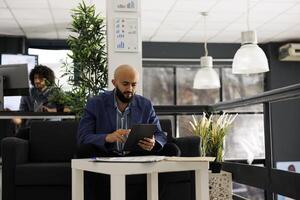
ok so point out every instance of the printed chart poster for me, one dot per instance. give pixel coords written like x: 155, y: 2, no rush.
x: 126, y: 5
x: 293, y: 166
x: 126, y: 34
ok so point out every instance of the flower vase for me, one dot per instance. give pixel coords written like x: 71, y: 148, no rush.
x: 215, y: 166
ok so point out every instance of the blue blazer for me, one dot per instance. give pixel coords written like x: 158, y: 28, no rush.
x: 99, y: 119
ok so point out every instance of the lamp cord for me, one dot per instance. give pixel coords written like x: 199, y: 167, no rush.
x: 248, y: 14
x: 205, y: 39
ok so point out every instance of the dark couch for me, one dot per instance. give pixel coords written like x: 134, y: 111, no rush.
x: 40, y: 168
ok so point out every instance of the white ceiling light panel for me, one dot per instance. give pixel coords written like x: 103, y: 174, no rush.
x: 167, y: 35
x: 9, y: 27
x: 30, y: 4
x: 239, y: 27
x: 176, y: 25
x: 42, y: 14
x: 274, y: 27
x: 5, y: 14
x: 194, y: 5
x: 62, y: 15
x: 153, y: 15
x: 295, y: 9
x: 287, y: 18
x: 48, y: 35
x: 156, y: 5
x: 271, y: 7
x: 229, y: 6
x: 2, y: 4
x: 198, y: 36
x: 212, y: 26
x: 64, y: 4
x: 227, y: 36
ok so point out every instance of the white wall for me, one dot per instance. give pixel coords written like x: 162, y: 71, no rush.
x: 117, y: 58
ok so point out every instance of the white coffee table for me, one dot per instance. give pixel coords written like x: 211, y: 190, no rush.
x: 118, y: 171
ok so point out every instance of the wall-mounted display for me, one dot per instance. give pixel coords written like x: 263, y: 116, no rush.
x: 126, y: 5
x: 126, y: 34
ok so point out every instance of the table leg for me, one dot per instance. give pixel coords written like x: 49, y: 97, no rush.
x: 117, y: 187
x: 77, y: 184
x: 152, y: 186
x: 202, y: 185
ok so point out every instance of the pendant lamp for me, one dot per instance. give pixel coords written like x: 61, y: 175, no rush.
x: 250, y: 58
x: 206, y: 77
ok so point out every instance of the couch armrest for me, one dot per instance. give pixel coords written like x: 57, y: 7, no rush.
x: 189, y: 146
x: 14, y: 151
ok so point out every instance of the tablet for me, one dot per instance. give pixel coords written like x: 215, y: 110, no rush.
x: 138, y: 132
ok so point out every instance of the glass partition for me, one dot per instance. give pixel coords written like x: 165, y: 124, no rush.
x: 247, y: 192
x: 245, y: 139
x: 236, y: 86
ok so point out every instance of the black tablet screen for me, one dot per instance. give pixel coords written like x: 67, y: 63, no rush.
x: 138, y: 132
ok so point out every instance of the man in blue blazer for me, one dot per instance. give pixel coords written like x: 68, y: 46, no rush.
x: 107, y: 118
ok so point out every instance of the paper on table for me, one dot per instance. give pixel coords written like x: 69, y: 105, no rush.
x: 133, y: 159
x: 189, y: 159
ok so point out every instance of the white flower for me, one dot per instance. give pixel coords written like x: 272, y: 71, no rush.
x: 194, y: 128
x: 195, y: 121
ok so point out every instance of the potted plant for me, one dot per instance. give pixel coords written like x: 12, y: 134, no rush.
x: 212, y: 131
x: 59, y: 98
x: 87, y: 73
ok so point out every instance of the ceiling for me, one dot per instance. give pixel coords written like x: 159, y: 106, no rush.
x: 163, y: 20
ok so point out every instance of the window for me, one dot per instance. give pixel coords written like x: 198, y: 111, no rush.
x: 53, y: 59
x: 186, y: 95
x: 172, y: 84
x: 158, y: 85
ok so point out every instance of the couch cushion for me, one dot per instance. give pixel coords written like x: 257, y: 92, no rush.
x: 52, y: 141
x: 43, y: 174
x: 43, y: 192
x: 166, y: 126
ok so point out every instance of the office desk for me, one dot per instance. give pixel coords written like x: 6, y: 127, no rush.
x: 35, y: 115
x: 118, y: 171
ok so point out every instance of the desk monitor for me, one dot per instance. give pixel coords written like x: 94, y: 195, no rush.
x: 13, y: 81
x: 13, y: 102
x: 30, y: 60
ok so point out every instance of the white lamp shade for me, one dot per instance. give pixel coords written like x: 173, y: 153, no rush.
x: 250, y: 59
x: 206, y: 78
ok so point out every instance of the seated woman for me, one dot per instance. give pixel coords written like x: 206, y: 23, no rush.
x: 42, y: 79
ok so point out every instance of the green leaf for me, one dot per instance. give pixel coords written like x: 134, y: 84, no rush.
x: 88, y: 73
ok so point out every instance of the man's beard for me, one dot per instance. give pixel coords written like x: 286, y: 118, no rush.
x: 122, y: 97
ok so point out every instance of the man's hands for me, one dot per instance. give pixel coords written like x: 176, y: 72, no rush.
x: 17, y: 121
x: 116, y: 136
x: 147, y: 143
x: 47, y: 109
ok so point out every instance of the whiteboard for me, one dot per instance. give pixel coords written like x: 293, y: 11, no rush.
x: 126, y: 34
x: 126, y: 5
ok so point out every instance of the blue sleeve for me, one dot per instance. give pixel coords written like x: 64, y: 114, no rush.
x: 160, y: 137
x: 87, y: 127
